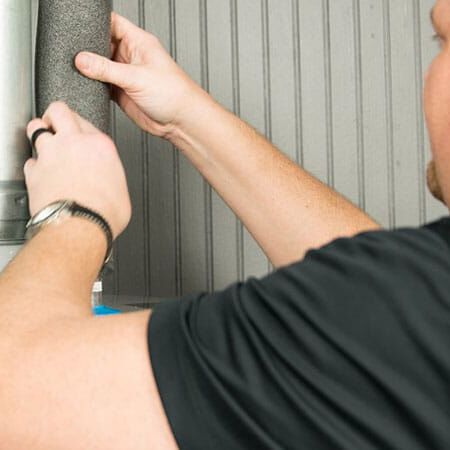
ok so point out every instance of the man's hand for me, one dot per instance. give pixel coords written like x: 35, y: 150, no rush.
x: 286, y: 209
x: 77, y: 163
x: 75, y: 380
x: 147, y: 83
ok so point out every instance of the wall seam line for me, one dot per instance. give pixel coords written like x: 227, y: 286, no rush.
x: 267, y: 80
x: 328, y: 91
x: 359, y: 104
x: 146, y: 184
x: 237, y: 110
x: 419, y: 108
x: 176, y: 167
x: 204, y: 58
x: 298, y: 83
x: 389, y: 111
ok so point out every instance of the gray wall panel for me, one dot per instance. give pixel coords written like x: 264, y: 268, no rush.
x: 375, y: 112
x: 194, y: 198
x: 404, y: 106
x: 252, y: 61
x: 345, y: 99
x: 282, y: 77
x: 163, y: 255
x: 226, y: 229
x: 335, y: 84
x: 132, y: 278
x: 315, y: 118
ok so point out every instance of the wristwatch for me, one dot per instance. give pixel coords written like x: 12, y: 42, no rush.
x: 62, y: 209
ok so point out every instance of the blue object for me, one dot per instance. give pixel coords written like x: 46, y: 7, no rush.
x: 105, y: 311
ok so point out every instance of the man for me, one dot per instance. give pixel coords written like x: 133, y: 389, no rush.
x: 346, y: 347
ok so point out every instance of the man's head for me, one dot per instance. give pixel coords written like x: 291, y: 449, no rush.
x: 437, y: 105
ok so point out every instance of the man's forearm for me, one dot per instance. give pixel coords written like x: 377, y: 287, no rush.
x: 51, y: 277
x: 287, y: 210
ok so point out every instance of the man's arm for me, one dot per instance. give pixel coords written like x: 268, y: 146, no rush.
x: 69, y: 380
x: 287, y: 210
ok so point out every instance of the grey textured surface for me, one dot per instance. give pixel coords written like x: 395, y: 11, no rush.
x: 336, y: 84
x: 66, y: 27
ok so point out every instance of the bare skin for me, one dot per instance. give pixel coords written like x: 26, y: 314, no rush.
x: 251, y: 175
x: 79, y: 382
x: 437, y: 105
x: 76, y: 381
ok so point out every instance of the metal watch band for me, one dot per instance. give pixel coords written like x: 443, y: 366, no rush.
x: 62, y: 208
x: 80, y: 211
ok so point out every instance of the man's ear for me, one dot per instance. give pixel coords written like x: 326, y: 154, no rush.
x: 433, y: 182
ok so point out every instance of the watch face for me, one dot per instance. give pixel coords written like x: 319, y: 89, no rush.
x: 47, y: 212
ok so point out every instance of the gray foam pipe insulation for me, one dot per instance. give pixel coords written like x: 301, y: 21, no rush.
x: 66, y: 27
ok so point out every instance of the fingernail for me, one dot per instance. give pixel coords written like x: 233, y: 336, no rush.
x: 83, y: 61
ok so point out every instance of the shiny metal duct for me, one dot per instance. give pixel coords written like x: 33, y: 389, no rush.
x: 15, y: 111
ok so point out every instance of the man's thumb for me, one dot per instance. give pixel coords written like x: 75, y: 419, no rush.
x: 100, y: 68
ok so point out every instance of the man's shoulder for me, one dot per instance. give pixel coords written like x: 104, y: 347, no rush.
x: 401, y: 262
x: 356, y: 319
x: 440, y: 228
x: 429, y: 240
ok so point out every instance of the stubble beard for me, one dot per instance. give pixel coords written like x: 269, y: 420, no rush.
x: 433, y: 182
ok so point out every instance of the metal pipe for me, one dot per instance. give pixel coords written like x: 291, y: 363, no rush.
x: 16, y: 95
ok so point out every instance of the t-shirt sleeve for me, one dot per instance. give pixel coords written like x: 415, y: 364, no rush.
x: 342, y: 350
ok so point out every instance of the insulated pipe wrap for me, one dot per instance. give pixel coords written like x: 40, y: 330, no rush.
x: 66, y: 27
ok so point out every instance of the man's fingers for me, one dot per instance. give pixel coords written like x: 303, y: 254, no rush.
x: 61, y: 118
x: 103, y: 69
x: 120, y: 27
x: 113, y: 48
x: 34, y: 125
x: 85, y: 125
x: 43, y: 138
x: 28, y: 168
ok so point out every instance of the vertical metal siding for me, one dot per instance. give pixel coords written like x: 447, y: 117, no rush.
x: 222, y: 67
x: 162, y: 208
x: 337, y: 85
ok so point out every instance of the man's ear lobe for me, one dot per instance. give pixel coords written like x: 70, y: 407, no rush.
x: 433, y: 182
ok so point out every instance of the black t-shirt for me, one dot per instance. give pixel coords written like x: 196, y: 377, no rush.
x: 347, y: 349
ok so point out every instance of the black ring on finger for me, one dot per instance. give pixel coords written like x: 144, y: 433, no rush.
x: 37, y: 133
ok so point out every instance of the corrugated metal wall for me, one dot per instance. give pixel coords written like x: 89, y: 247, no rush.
x: 336, y: 84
